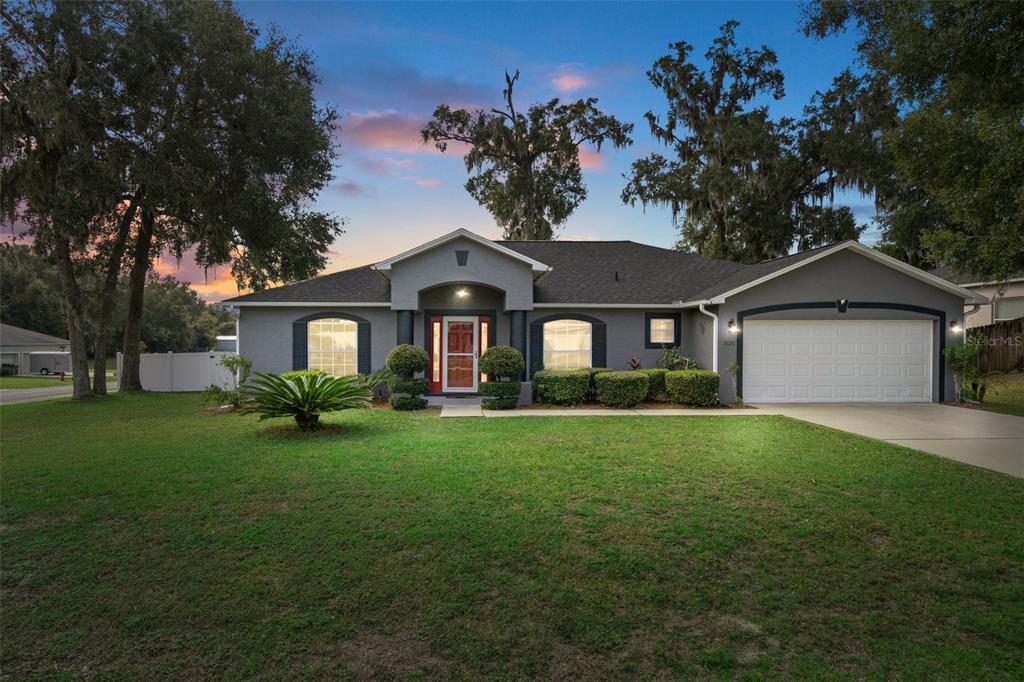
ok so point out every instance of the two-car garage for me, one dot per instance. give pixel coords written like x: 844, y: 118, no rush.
x: 791, y: 361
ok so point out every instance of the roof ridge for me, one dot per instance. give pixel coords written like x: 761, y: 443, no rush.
x: 800, y: 253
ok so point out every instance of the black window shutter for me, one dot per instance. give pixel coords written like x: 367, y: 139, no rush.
x: 599, y: 344
x: 300, y: 340
x: 299, y: 343
x: 363, y: 339
x: 536, y: 346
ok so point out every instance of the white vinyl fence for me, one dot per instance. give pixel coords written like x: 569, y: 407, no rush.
x: 173, y: 372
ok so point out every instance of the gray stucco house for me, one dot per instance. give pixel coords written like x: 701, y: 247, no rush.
x: 841, y: 323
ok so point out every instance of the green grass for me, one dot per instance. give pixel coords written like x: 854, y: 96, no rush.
x: 145, y: 539
x: 1005, y: 394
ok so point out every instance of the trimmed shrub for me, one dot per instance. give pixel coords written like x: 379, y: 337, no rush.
x: 693, y: 387
x: 673, y: 359
x: 502, y: 361
x: 621, y: 389
x: 655, y: 383
x: 592, y: 387
x: 296, y: 373
x: 502, y: 395
x: 409, y: 386
x: 407, y: 402
x: 405, y: 360
x: 561, y: 386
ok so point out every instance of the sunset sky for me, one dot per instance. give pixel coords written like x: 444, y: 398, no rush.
x: 385, y: 66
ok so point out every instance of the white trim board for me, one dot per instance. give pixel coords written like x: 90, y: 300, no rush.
x: 306, y: 304
x: 535, y: 265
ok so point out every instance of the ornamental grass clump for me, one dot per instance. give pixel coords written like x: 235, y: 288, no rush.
x: 505, y: 365
x: 306, y: 396
x: 405, y: 361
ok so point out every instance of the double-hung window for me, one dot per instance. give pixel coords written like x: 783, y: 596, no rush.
x: 568, y: 344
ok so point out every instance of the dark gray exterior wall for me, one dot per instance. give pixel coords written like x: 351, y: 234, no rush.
x: 698, y: 337
x: 512, y: 277
x: 625, y: 327
x: 843, y: 275
x: 265, y: 334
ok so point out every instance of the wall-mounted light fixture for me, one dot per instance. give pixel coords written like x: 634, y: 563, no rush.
x: 955, y: 326
x: 462, y: 292
x: 733, y: 327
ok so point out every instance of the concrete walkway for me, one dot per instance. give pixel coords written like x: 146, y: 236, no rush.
x: 983, y: 439
x: 477, y: 411
x: 976, y: 437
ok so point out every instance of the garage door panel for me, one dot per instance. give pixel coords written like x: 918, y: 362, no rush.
x: 831, y: 361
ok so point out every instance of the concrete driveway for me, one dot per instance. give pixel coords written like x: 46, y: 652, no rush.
x: 984, y: 439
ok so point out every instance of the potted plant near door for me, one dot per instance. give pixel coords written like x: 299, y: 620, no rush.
x: 503, y: 366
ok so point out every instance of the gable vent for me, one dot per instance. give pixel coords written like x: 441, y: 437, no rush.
x: 461, y: 257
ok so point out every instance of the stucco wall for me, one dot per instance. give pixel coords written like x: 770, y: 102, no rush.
x: 843, y: 275
x: 439, y: 266
x: 984, y: 314
x: 625, y: 328
x: 480, y: 299
x: 265, y: 334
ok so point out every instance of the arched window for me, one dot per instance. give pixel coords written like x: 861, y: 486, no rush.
x: 568, y: 344
x: 333, y: 346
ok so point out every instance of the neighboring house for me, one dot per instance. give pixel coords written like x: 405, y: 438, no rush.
x: 835, y: 324
x: 226, y: 343
x: 1006, y: 297
x: 32, y: 352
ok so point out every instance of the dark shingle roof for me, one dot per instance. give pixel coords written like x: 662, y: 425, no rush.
x: 16, y: 336
x: 749, y: 273
x: 585, y: 272
x: 358, y: 285
x: 968, y: 277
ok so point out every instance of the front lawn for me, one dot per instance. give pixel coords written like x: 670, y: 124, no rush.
x: 142, y: 538
x: 1005, y: 394
x: 49, y: 381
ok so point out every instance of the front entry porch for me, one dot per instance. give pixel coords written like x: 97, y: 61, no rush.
x: 455, y: 343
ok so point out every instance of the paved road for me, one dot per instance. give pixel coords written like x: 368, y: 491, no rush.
x: 13, y: 396
x: 983, y: 439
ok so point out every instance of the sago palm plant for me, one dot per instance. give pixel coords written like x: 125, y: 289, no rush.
x: 307, y: 396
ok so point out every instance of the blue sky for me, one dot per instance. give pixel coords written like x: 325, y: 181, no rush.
x: 385, y: 66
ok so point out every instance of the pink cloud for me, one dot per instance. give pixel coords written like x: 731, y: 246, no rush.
x: 391, y: 131
x: 388, y: 130
x: 211, y: 284
x: 570, y: 82
x: 426, y: 182
x: 591, y: 159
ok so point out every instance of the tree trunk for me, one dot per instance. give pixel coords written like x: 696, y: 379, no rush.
x: 130, y: 377
x: 73, y: 311
x: 99, y: 378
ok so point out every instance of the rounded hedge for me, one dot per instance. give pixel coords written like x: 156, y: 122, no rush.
x: 500, y: 395
x: 296, y: 373
x: 655, y: 382
x: 561, y: 386
x: 502, y: 361
x: 406, y: 360
x: 411, y: 387
x: 693, y: 387
x: 621, y: 389
x: 406, y: 402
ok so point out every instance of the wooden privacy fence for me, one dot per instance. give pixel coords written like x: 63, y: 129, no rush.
x: 1000, y: 345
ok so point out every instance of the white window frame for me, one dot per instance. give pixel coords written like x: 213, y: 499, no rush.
x: 672, y: 328
x: 589, y: 349
x: 311, y: 352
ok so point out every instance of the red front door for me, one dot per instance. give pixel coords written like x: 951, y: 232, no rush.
x: 460, y: 354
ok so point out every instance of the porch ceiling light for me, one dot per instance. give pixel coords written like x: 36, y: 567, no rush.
x: 462, y: 292
x: 733, y: 327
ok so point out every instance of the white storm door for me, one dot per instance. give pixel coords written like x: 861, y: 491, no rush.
x: 461, y: 341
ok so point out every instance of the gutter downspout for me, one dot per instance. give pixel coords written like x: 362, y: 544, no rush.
x: 714, y: 333
x: 975, y: 308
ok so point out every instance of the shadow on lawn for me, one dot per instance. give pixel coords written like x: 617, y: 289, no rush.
x: 290, y: 431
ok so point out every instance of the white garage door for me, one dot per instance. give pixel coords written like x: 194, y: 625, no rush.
x: 818, y: 361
